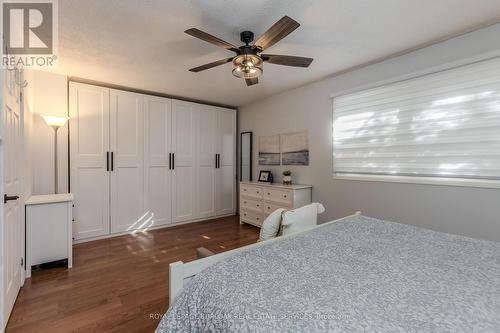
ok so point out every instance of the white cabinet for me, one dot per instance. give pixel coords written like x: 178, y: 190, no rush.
x: 258, y: 200
x: 126, y: 169
x: 157, y: 160
x: 206, y: 164
x: 48, y: 229
x: 184, y: 130
x: 89, y: 145
x: 140, y: 161
x: 226, y: 162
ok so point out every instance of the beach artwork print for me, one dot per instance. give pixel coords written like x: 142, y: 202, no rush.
x: 294, y: 148
x: 269, y: 150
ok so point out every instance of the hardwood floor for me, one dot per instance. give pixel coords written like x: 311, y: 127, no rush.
x: 118, y: 284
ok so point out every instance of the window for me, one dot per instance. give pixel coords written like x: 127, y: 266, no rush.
x: 439, y: 127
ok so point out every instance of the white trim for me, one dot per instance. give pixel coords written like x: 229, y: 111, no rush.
x: 162, y: 226
x: 181, y: 273
x: 464, y: 182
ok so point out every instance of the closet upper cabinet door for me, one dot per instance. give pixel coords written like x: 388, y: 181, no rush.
x: 157, y: 149
x: 184, y: 136
x: 205, y: 181
x: 89, y: 143
x: 127, y: 175
x: 226, y: 173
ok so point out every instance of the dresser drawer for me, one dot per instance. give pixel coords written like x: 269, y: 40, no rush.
x: 270, y: 207
x: 251, y: 217
x: 252, y: 204
x: 251, y: 191
x: 279, y: 196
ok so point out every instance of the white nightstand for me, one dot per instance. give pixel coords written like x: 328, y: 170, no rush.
x: 49, y: 229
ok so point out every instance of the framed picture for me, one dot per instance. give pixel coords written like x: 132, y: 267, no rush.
x: 269, y: 150
x: 294, y: 148
x: 265, y: 176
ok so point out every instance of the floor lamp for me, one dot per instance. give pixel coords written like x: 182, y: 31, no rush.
x: 55, y: 123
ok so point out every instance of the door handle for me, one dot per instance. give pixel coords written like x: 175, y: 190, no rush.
x: 112, y: 161
x: 169, y: 161
x: 173, y: 161
x: 216, y: 159
x: 9, y: 198
x: 107, y: 161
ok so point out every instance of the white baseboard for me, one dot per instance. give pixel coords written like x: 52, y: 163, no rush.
x: 162, y: 226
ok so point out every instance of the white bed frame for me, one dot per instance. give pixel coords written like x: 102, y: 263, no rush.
x: 181, y: 273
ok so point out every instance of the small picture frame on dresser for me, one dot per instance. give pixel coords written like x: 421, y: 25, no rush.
x: 265, y: 176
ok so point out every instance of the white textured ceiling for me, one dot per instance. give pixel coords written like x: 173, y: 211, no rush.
x: 141, y: 44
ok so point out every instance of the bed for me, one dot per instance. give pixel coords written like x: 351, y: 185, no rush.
x: 356, y: 274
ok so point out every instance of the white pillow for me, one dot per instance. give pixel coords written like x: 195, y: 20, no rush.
x: 271, y: 225
x: 302, y: 218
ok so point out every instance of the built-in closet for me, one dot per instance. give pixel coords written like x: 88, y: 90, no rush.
x: 139, y: 161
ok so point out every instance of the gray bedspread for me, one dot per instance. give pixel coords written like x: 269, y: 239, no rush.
x: 358, y: 275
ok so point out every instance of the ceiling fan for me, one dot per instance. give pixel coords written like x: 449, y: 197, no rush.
x: 248, y: 62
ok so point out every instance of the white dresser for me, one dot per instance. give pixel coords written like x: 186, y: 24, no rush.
x: 258, y: 200
x: 48, y: 229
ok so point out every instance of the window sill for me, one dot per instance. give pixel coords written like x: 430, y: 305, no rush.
x: 463, y: 182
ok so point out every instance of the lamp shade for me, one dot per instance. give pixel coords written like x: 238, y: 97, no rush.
x: 247, y: 66
x: 55, y: 121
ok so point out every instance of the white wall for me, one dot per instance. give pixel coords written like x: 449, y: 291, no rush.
x: 469, y: 211
x: 49, y: 97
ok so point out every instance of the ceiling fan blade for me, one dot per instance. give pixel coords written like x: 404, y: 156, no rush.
x: 211, y: 39
x: 210, y: 65
x: 251, y: 82
x: 287, y: 60
x: 277, y: 32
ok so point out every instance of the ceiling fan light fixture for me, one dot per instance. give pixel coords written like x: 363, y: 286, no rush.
x: 247, y: 66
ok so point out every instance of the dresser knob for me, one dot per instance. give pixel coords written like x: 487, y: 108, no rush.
x: 284, y: 196
x: 258, y: 205
x: 268, y: 207
x: 268, y: 193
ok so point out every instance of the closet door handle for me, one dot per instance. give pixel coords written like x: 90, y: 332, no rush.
x: 169, y: 161
x: 173, y: 161
x: 9, y: 198
x: 112, y: 161
x: 216, y: 161
x: 107, y: 161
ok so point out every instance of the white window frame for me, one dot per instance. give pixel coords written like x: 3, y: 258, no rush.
x: 439, y: 181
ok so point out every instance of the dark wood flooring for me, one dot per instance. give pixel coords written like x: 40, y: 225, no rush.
x: 118, y: 284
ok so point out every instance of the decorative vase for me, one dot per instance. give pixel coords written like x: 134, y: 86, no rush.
x: 287, y: 180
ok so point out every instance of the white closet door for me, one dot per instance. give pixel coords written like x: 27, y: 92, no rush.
x: 205, y: 181
x: 89, y: 130
x: 127, y: 175
x: 184, y: 169
x: 226, y: 171
x: 157, y: 149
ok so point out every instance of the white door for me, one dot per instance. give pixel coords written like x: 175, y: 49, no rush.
x: 184, y: 154
x: 206, y: 156
x: 12, y: 239
x: 226, y: 168
x: 89, y: 180
x: 157, y: 160
x: 127, y: 175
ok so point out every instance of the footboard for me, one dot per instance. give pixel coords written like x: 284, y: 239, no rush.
x: 181, y: 273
